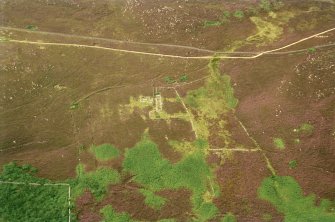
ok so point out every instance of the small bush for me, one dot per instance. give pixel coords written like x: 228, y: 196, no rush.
x: 183, y: 78
x: 279, y: 143
x: 169, y: 79
x: 212, y: 23
x: 306, y: 128
x: 311, y: 50
x: 293, y: 164
x: 239, y: 14
x: 74, y: 106
x: 31, y: 27
x: 226, y: 14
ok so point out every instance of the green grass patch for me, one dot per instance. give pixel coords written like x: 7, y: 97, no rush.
x: 169, y: 80
x: 229, y: 217
x: 311, y: 50
x: 293, y: 164
x: 212, y: 23
x: 31, y: 27
x: 226, y: 15
x: 96, y: 181
x: 306, y: 128
x: 31, y: 203
x: 183, y: 78
x: 153, y: 171
x: 286, y: 195
x: 239, y: 14
x: 152, y: 200
x: 110, y: 215
x: 105, y: 152
x: 279, y: 143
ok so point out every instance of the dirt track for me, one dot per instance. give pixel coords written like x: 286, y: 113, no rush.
x: 167, y: 55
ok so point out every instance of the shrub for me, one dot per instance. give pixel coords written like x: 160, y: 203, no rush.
x: 306, y: 128
x: 239, y: 14
x: 31, y: 27
x: 293, y: 164
x: 169, y: 80
x: 74, y: 106
x: 212, y: 23
x: 279, y: 143
x: 183, y: 78
x: 311, y: 50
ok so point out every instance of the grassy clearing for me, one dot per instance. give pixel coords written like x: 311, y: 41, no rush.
x: 286, y: 195
x: 136, y: 103
x: 279, y: 143
x: 152, y: 200
x: 187, y: 148
x: 96, y: 181
x: 156, y: 173
x: 105, y: 152
x: 216, y: 97
x: 266, y: 31
x: 110, y: 215
x: 211, y: 101
x: 31, y: 203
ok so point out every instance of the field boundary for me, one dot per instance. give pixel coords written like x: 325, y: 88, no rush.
x: 46, y: 184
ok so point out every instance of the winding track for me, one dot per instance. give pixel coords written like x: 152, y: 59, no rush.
x: 166, y: 55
